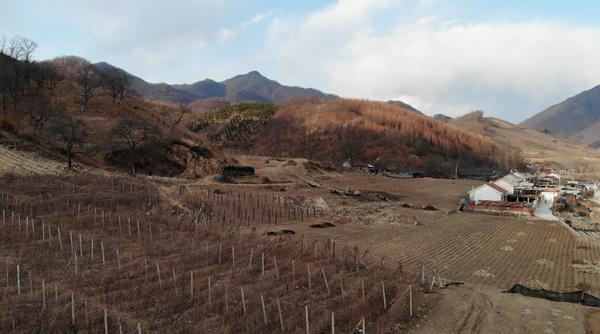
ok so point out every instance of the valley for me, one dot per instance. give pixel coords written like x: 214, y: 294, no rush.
x: 248, y: 206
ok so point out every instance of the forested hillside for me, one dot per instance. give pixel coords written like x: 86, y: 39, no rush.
x: 381, y: 134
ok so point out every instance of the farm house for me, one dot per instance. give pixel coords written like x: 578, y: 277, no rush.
x: 488, y: 192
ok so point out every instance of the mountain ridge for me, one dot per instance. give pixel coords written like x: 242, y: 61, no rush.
x: 249, y: 87
x: 576, y: 118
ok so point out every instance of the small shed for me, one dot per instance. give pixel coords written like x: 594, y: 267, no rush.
x: 237, y: 170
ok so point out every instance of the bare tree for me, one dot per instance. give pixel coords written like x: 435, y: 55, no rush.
x: 88, y: 80
x: 16, y: 69
x: 70, y: 60
x: 182, y: 110
x: 117, y: 83
x: 42, y: 111
x: 7, y: 75
x: 132, y: 134
x: 70, y: 133
x: 45, y: 75
x: 17, y: 82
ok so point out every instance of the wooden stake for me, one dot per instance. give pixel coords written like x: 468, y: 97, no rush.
x: 383, y: 292
x: 332, y: 323
x: 226, y: 299
x: 191, y: 285
x: 158, y: 275
x: 174, y: 281
x: 43, y: 295
x: 209, y: 289
x: 243, y: 300
x: 364, y: 329
x: 18, y: 280
x: 306, y: 318
x: 232, y: 258
x: 325, y: 279
x: 105, y: 322
x: 118, y: 261
x: 264, y: 311
x: 308, y: 275
x: 362, y: 285
x: 410, y: 301
x: 80, y: 246
x: 72, y: 308
x: 71, y: 238
x: 280, y: 315
x: 102, y: 248
x: 60, y: 240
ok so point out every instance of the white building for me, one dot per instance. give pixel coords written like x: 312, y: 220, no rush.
x: 509, y: 182
x: 488, y: 192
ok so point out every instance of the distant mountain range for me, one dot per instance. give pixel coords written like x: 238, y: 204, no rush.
x: 250, y: 87
x: 577, y: 118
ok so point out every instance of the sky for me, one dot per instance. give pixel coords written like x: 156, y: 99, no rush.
x: 510, y: 58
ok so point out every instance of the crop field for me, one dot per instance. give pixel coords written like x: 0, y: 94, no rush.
x: 98, y: 254
x: 494, y: 251
x: 21, y: 163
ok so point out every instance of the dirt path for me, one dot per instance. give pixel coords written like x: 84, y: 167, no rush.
x: 477, y: 309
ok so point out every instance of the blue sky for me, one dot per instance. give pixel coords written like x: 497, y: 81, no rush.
x: 510, y: 59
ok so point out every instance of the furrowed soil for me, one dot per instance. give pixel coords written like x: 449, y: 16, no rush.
x: 404, y: 224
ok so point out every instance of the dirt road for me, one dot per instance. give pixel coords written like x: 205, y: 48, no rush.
x: 477, y: 309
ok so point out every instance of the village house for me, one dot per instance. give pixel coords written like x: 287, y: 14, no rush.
x: 489, y: 192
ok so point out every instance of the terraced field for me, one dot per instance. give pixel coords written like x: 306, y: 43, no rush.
x: 22, y: 163
x: 495, y: 251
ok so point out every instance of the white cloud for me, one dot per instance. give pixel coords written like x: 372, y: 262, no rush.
x: 147, y: 37
x: 227, y: 34
x: 509, y: 69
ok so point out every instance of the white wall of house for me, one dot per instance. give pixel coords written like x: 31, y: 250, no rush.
x: 485, y: 193
x: 548, y: 196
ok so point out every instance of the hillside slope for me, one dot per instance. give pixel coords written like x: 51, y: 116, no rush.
x: 126, y: 134
x: 378, y: 133
x: 535, y: 146
x: 577, y: 118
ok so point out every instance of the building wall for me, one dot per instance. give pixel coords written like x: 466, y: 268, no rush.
x: 499, y: 210
x: 485, y: 193
x: 549, y: 196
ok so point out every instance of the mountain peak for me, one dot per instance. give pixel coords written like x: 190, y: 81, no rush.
x: 576, y: 118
